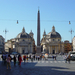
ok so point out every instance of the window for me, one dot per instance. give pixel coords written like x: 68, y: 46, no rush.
x: 13, y: 46
x: 23, y: 51
x: 53, y: 39
x: 58, y: 40
x: 23, y: 40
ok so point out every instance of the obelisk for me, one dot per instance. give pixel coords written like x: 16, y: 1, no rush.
x: 38, y: 49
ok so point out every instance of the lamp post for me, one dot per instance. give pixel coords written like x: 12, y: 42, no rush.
x: 71, y: 37
x: 5, y: 33
x: 71, y: 31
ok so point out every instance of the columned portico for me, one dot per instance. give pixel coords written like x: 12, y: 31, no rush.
x: 53, y: 49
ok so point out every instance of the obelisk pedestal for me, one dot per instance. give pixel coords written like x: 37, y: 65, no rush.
x: 38, y: 50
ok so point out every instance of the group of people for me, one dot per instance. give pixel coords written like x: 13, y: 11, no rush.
x: 19, y: 58
x: 7, y: 60
x: 32, y: 57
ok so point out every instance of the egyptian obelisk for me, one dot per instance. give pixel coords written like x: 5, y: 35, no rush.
x: 38, y: 49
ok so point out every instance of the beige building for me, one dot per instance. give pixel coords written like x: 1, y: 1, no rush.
x: 73, y: 43
x: 23, y: 43
x: 8, y: 45
x: 51, y: 42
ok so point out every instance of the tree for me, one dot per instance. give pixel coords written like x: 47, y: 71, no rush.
x: 67, y: 47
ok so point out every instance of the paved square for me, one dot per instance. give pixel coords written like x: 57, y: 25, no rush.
x: 42, y: 67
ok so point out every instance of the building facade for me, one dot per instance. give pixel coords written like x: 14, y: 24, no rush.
x: 73, y: 43
x: 51, y: 42
x: 2, y: 41
x: 23, y: 43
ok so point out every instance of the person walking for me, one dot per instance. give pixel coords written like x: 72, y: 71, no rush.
x: 8, y: 61
x: 69, y: 58
x: 6, y: 55
x: 65, y: 58
x: 36, y: 57
x: 24, y: 58
x: 43, y: 57
x: 32, y: 58
x: 40, y: 57
x: 14, y: 60
x: 20, y: 60
x: 27, y: 58
x: 53, y: 57
x: 4, y: 58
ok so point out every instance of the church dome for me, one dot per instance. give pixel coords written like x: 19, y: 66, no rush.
x: 23, y: 34
x: 54, y: 34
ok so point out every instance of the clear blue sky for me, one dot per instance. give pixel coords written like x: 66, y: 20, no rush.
x: 52, y: 12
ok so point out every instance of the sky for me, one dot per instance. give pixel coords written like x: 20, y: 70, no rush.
x: 52, y: 12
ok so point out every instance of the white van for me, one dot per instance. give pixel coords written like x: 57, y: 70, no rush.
x: 72, y: 55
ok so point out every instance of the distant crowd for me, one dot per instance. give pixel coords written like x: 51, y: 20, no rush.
x: 17, y: 59
x: 7, y: 58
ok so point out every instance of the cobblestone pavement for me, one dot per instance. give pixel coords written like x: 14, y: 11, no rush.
x: 48, y: 67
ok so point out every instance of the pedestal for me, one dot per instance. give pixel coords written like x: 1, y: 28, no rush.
x: 38, y: 50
